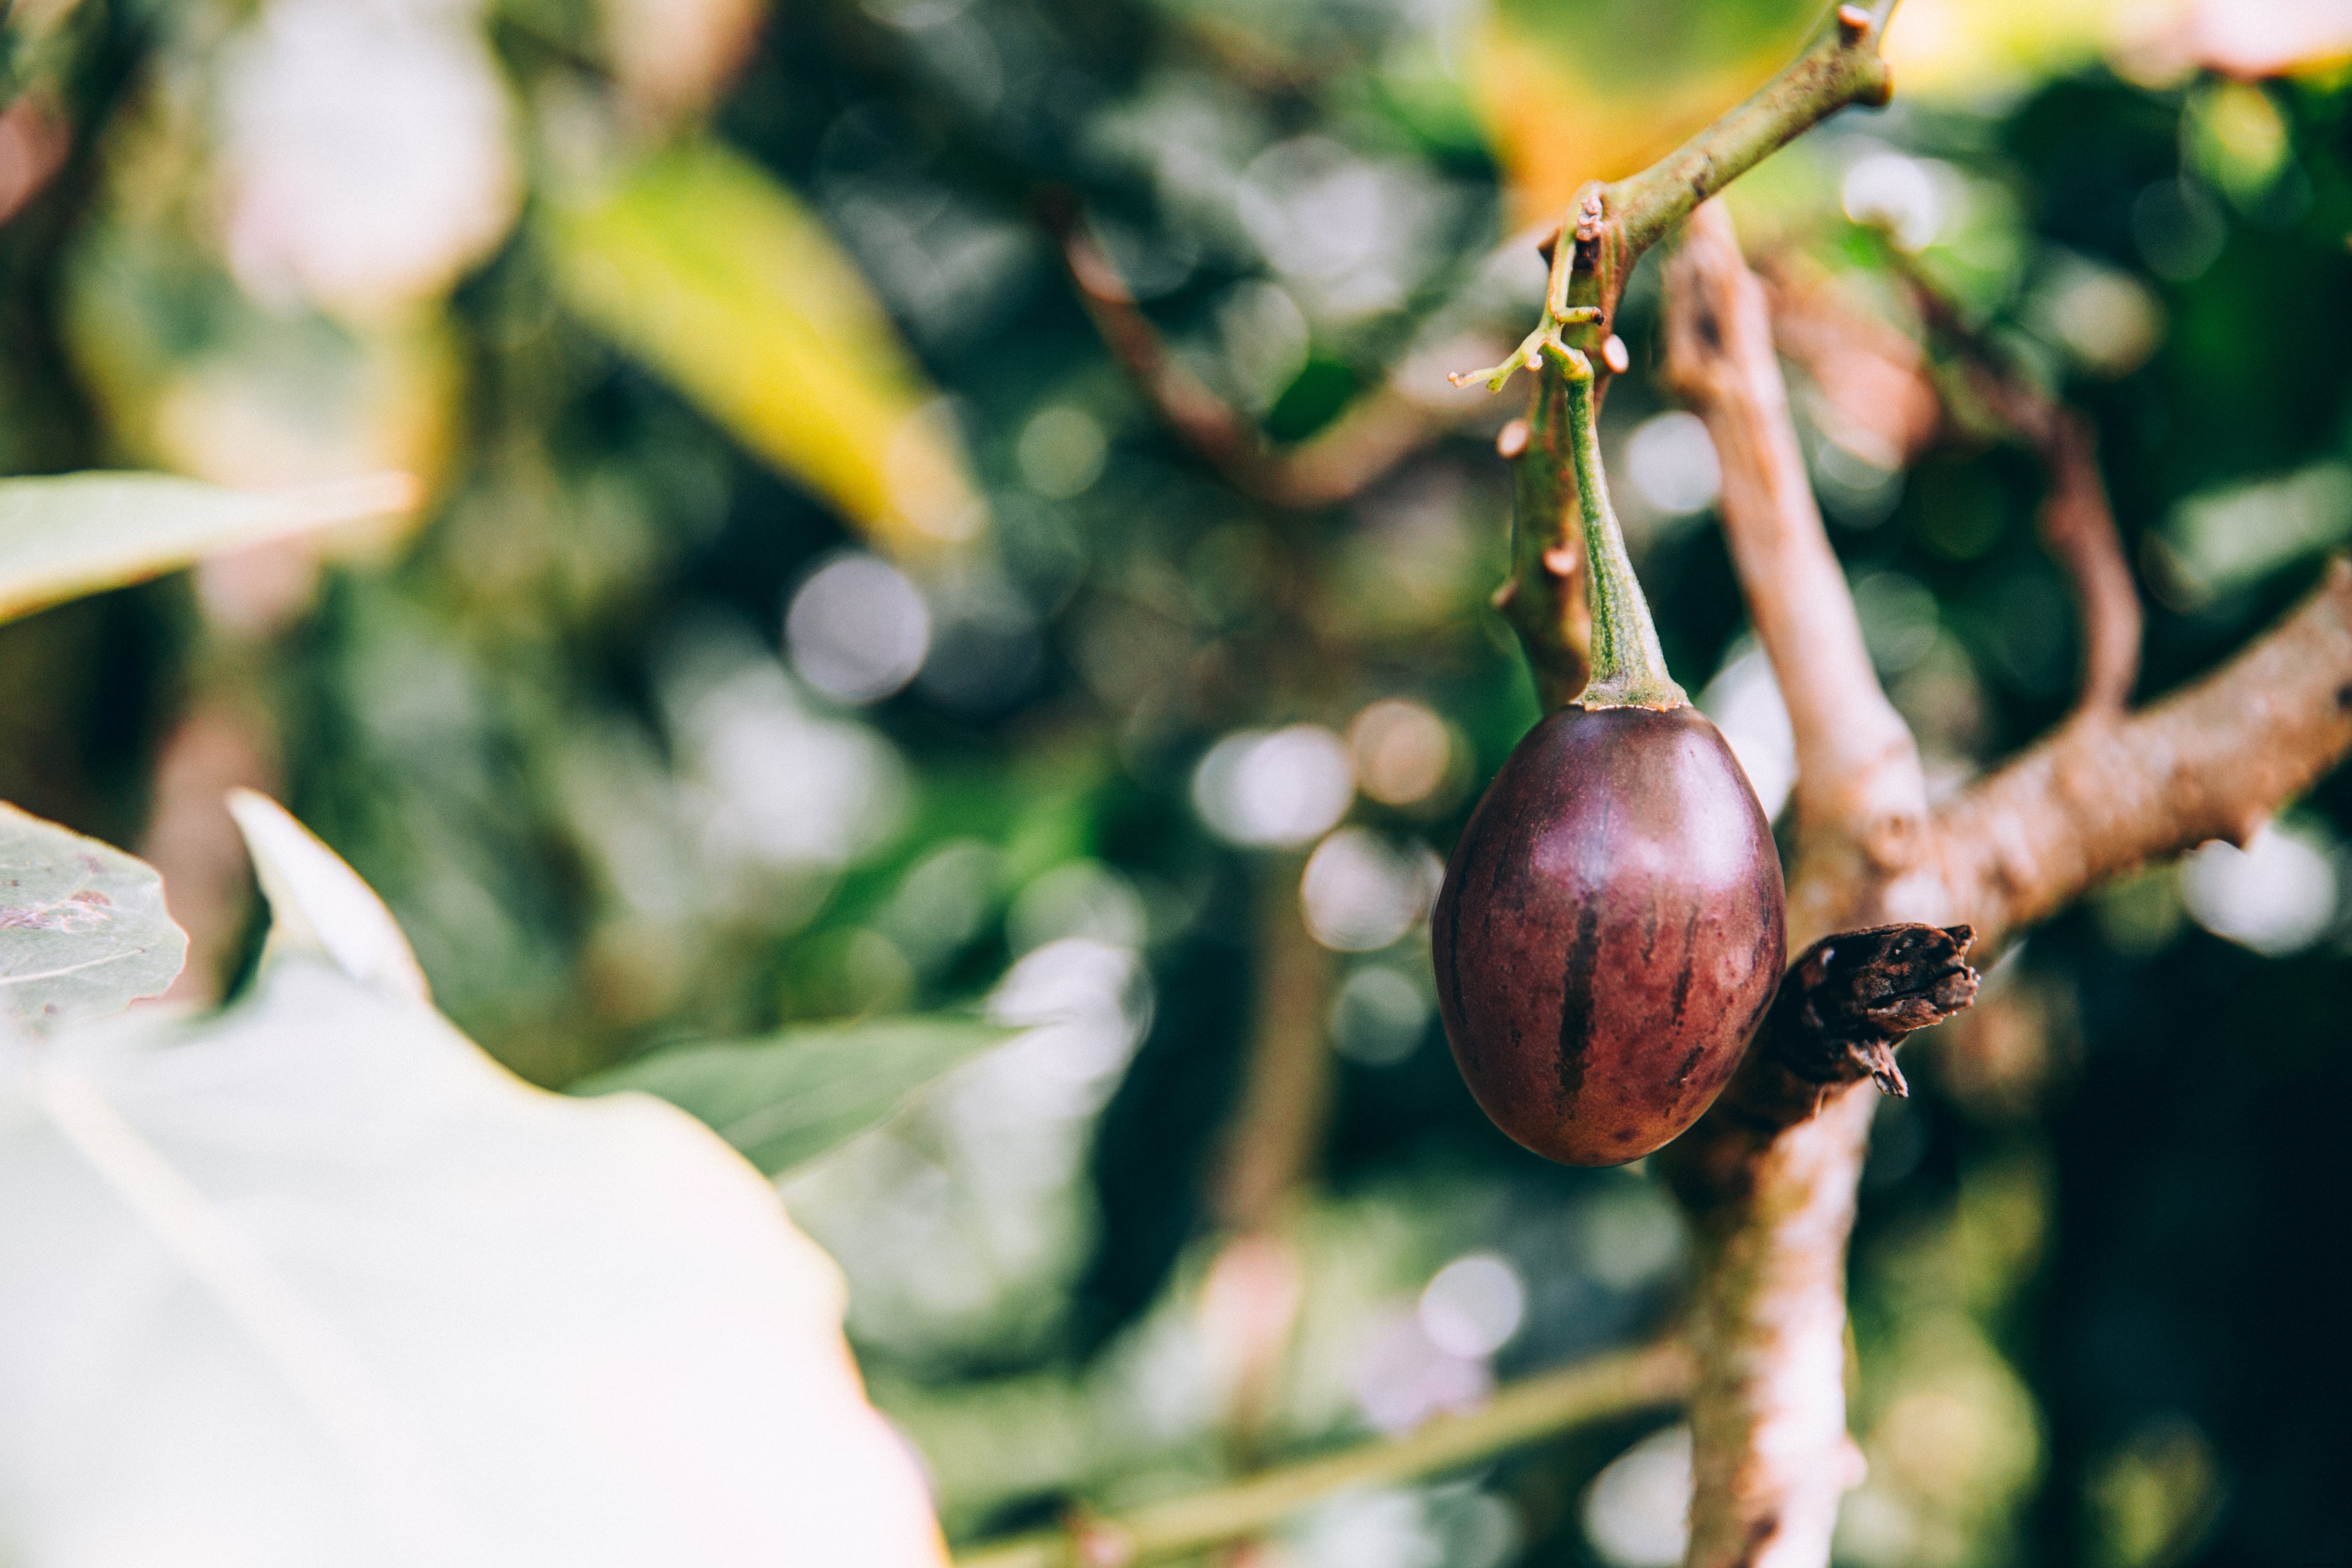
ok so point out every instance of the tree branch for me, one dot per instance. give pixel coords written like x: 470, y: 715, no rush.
x: 2078, y: 526
x: 1860, y: 794
x: 1842, y: 66
x: 2100, y: 795
x: 2078, y: 523
x: 1608, y: 229
x: 1623, y: 1384
x: 1768, y: 1176
x: 1369, y: 438
x: 1846, y: 1003
x: 1774, y: 1197
x: 1875, y: 396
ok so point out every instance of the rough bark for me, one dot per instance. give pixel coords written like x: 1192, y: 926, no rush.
x: 1775, y: 1203
x: 2103, y: 793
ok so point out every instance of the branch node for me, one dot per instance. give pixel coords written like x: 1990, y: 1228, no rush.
x: 1587, y: 215
x: 1845, y: 1006
x: 1854, y: 25
x: 1850, y: 1000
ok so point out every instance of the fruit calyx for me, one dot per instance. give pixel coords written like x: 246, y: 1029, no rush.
x: 1628, y: 666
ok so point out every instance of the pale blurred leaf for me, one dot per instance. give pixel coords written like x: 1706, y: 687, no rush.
x: 784, y: 1099
x: 315, y: 1281
x: 82, y: 926
x: 317, y: 905
x: 716, y: 276
x: 81, y: 534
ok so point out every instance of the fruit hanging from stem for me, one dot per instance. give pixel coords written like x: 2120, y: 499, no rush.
x: 1611, y: 927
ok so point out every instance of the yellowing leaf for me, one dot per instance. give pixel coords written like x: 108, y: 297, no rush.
x: 717, y: 277
x: 81, y: 533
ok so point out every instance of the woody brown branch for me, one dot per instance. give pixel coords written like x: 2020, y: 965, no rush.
x: 1845, y: 1006
x: 1880, y: 398
x: 1861, y: 795
x: 2077, y: 521
x: 2103, y: 793
x: 2078, y: 525
x: 1365, y: 442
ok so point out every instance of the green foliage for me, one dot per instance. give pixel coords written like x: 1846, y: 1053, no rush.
x: 785, y: 1099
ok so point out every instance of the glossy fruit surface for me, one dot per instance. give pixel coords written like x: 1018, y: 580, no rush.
x: 1609, y: 934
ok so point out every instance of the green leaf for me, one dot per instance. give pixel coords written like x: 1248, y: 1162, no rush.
x: 785, y: 1099
x: 717, y: 277
x: 82, y: 925
x: 63, y: 537
x: 319, y: 905
x: 315, y: 1281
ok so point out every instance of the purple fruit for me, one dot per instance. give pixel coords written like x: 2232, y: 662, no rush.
x: 1609, y: 934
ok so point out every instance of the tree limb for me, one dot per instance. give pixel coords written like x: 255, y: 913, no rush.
x: 1608, y: 229
x: 1846, y: 1003
x: 1774, y: 1198
x: 2102, y: 795
x: 1859, y: 781
x: 2078, y: 526
x: 1369, y: 438
x: 2077, y: 521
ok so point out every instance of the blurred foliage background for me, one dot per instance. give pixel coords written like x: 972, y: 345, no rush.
x: 811, y: 620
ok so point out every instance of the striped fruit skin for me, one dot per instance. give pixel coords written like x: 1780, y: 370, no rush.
x: 1611, y: 929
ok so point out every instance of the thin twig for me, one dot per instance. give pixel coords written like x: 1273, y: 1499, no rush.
x: 2078, y: 525
x: 1250, y: 1307
x: 1623, y: 1384
x: 2077, y: 521
x: 1607, y: 230
x: 1286, y: 1088
x: 1876, y: 395
x: 1367, y: 440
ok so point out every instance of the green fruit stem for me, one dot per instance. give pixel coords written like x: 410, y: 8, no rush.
x: 1628, y: 666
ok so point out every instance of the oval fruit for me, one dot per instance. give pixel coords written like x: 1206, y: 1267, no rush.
x: 1609, y: 934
